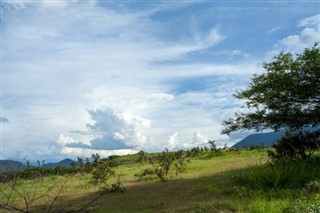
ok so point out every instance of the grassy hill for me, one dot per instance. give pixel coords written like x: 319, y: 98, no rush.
x: 233, y: 180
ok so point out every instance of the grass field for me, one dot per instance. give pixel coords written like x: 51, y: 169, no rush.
x: 232, y: 181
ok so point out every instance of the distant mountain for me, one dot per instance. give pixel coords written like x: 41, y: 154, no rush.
x: 10, y: 164
x: 265, y: 139
x: 64, y: 163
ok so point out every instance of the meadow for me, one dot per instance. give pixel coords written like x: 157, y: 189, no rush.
x: 231, y: 180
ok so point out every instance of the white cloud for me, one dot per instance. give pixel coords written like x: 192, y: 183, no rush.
x: 64, y: 140
x: 62, y: 58
x: 275, y: 29
x: 313, y: 21
x: 83, y: 152
x: 306, y: 38
x: 199, y: 139
x: 115, y: 130
x: 173, y: 141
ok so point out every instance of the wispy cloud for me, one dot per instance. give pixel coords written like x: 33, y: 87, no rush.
x: 275, y: 29
x: 81, y: 77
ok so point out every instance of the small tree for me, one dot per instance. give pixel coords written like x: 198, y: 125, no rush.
x: 213, y: 146
x: 163, y: 164
x: 296, y: 146
x: 286, y: 96
x: 102, y: 170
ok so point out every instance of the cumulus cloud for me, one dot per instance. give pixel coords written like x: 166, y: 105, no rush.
x: 64, y: 140
x: 176, y: 141
x: 114, y: 130
x: 69, y: 56
x: 199, y: 139
x: 307, y: 37
x: 173, y: 141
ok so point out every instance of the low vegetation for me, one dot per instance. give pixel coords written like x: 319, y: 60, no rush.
x: 221, y: 180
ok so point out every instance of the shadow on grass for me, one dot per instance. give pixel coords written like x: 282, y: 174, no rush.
x: 227, y: 191
x: 178, y: 195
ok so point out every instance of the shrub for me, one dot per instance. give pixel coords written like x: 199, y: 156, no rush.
x: 281, y: 174
x: 162, y: 164
x: 305, y: 204
x: 296, y: 146
x: 313, y: 186
x: 147, y: 172
x: 101, y: 172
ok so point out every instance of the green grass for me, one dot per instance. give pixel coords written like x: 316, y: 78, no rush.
x: 230, y: 181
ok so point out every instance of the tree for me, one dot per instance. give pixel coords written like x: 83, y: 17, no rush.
x: 213, y: 146
x: 163, y: 164
x: 286, y: 96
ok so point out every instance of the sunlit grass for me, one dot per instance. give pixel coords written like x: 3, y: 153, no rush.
x: 209, y: 184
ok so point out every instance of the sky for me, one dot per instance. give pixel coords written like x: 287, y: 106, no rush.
x: 115, y: 77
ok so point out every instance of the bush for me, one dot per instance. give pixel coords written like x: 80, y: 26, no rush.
x: 282, y: 174
x: 305, y: 204
x: 296, y: 146
x: 162, y: 164
x: 144, y: 174
x: 101, y: 172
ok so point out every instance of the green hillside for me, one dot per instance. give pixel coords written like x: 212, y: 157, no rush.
x: 231, y: 180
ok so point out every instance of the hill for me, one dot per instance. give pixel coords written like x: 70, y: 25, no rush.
x: 64, y: 163
x: 12, y: 164
x: 265, y: 139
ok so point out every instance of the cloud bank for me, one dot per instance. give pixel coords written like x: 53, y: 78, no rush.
x: 82, y: 77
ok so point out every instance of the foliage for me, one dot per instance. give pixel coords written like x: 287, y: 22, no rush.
x: 142, y: 157
x: 16, y: 195
x: 102, y: 171
x: 305, y: 204
x: 19, y: 195
x: 313, y: 186
x: 196, y: 151
x: 13, y: 190
x: 279, y: 175
x: 296, y: 146
x: 163, y: 163
x: 147, y: 173
x: 213, y: 146
x: 286, y: 96
x: 35, y: 172
x: 114, y: 187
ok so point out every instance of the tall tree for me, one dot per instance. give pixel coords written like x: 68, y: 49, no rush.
x: 287, y: 95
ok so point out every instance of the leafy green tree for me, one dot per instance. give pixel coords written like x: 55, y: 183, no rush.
x: 287, y: 95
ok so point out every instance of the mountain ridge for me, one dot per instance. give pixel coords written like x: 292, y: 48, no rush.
x: 13, y: 164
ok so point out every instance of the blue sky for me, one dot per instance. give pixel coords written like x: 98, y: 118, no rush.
x: 115, y: 77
